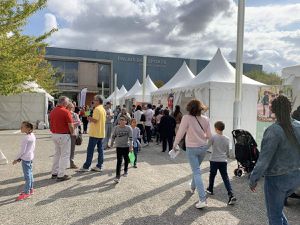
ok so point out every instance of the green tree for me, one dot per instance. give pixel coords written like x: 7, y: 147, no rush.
x: 264, y: 77
x: 21, y: 56
x: 159, y: 83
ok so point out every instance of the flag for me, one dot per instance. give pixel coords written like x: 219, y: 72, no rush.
x: 82, y: 97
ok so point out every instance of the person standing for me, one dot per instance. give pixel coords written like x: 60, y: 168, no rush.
x: 108, y: 125
x: 122, y: 133
x: 167, y: 130
x: 197, y: 130
x: 61, y: 127
x: 148, y: 124
x: 265, y: 102
x: 178, y: 116
x: 140, y: 120
x: 279, y: 161
x: 96, y: 135
x: 26, y: 155
x: 218, y: 161
x: 76, y: 124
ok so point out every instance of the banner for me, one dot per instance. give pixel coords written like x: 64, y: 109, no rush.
x: 82, y: 97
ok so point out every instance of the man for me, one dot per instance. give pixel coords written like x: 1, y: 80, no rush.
x: 149, y: 115
x: 61, y: 126
x: 96, y: 133
x: 108, y: 125
x: 265, y: 102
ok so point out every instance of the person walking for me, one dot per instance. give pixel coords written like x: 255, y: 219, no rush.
x: 218, y: 161
x: 76, y: 124
x: 167, y: 130
x: 108, y: 125
x: 148, y: 123
x: 178, y: 116
x: 26, y: 156
x: 279, y: 161
x: 122, y: 133
x: 61, y: 127
x: 140, y: 120
x: 96, y: 135
x: 136, y: 133
x: 196, y: 127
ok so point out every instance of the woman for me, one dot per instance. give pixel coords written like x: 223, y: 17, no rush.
x: 197, y: 130
x: 76, y: 123
x: 85, y: 113
x: 167, y: 130
x: 178, y: 116
x: 140, y: 120
x: 279, y: 161
x: 157, y: 117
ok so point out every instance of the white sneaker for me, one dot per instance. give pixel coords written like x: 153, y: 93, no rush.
x: 83, y: 170
x: 117, y: 180
x: 201, y: 205
x: 96, y: 169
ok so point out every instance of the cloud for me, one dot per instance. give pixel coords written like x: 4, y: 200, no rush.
x: 50, y: 22
x: 185, y: 28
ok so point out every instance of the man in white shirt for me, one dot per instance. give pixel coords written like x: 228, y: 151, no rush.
x: 148, y: 124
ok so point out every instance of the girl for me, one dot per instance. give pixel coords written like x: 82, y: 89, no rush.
x: 26, y: 155
x: 135, y: 138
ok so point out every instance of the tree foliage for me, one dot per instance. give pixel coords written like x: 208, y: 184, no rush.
x: 159, y: 83
x: 21, y: 56
x: 264, y: 77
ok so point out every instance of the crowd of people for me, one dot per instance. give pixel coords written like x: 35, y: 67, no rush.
x: 279, y: 159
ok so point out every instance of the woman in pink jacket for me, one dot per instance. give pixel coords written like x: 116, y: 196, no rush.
x: 197, y: 130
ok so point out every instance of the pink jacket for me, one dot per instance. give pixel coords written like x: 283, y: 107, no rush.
x: 195, y: 136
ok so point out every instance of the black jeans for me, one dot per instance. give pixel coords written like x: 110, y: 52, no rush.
x: 141, y: 127
x: 85, y: 123
x: 222, y: 167
x: 148, y: 133
x: 122, y: 153
x: 168, y: 139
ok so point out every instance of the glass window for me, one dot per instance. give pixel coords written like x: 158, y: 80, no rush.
x: 104, y: 74
x: 69, y: 70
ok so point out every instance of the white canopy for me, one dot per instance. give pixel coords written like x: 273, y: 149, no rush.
x: 135, y: 88
x: 27, y: 106
x: 181, y: 78
x: 110, y: 98
x: 215, y: 87
x: 122, y: 92
x: 149, y: 87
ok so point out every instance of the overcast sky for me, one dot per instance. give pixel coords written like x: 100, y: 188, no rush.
x: 183, y: 28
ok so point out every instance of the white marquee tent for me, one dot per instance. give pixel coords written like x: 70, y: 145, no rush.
x: 181, y: 78
x: 291, y: 76
x: 135, y: 88
x: 111, y: 97
x: 215, y: 87
x: 120, y: 94
x: 149, y: 87
x: 27, y: 106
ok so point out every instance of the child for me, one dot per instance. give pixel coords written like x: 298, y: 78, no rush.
x: 218, y: 160
x: 26, y: 155
x: 123, y: 136
x: 135, y: 136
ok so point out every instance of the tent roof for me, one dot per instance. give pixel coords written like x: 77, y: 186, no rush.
x: 121, y: 92
x: 150, y: 87
x: 135, y: 88
x: 219, y: 70
x: 182, y: 77
x: 34, y: 87
x: 112, y: 95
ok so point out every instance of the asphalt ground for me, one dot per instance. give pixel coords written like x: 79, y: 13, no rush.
x: 157, y: 192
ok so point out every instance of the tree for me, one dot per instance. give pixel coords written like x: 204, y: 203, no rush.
x: 264, y: 77
x: 21, y: 56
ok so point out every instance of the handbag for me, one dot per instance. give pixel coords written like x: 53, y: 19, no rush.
x: 78, y: 140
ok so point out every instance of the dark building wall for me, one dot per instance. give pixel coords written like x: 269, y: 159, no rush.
x: 129, y: 67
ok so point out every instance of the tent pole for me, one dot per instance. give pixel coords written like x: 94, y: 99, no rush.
x: 237, y: 107
x: 144, y: 76
x: 102, y: 89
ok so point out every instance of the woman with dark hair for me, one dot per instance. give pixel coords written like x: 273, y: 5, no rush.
x: 279, y: 161
x: 167, y: 130
x: 196, y: 129
x: 140, y: 120
x: 178, y: 116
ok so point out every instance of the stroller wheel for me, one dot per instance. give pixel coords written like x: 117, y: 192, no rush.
x: 235, y: 172
x: 239, y: 172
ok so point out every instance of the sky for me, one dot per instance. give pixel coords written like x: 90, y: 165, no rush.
x: 180, y: 28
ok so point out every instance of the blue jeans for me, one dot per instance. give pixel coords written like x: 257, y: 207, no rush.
x: 277, y: 188
x: 195, y: 156
x: 27, y: 170
x: 222, y: 167
x: 90, y: 152
x: 135, y: 150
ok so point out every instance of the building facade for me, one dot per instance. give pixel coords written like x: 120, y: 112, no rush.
x: 94, y: 69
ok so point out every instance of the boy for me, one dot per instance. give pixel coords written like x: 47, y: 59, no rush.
x: 123, y: 136
x: 218, y: 160
x: 136, y: 134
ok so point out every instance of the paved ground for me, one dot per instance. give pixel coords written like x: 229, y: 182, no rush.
x: 155, y: 193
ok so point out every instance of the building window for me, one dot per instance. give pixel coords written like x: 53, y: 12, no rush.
x: 68, y: 70
x: 104, y: 74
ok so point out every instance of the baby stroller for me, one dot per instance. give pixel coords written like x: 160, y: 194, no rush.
x: 246, y: 152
